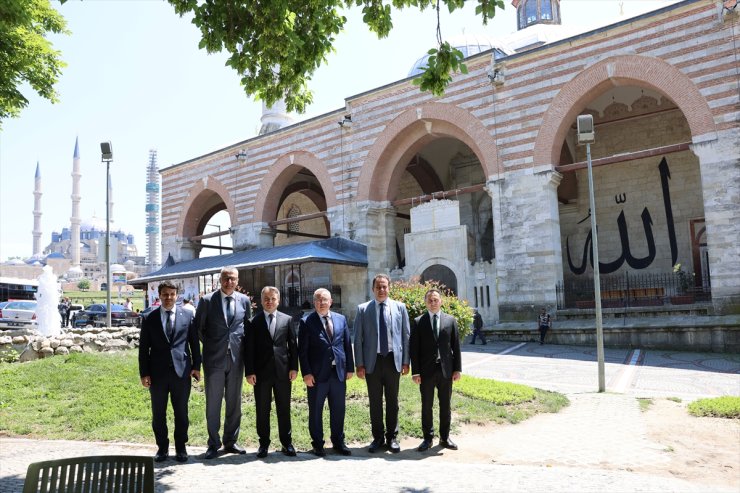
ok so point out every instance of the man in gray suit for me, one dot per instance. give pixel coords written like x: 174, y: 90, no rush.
x: 381, y: 357
x: 220, y: 319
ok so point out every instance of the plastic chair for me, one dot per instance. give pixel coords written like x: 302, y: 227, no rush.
x: 95, y: 474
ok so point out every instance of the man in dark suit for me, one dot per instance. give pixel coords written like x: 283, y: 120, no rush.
x: 220, y: 319
x: 325, y: 354
x: 271, y: 365
x: 435, y: 363
x: 382, y: 356
x: 169, y: 354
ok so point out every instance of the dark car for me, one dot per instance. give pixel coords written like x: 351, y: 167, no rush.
x: 95, y: 315
x: 147, y: 311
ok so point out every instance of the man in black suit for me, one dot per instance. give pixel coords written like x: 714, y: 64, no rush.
x: 435, y: 363
x: 169, y: 354
x: 325, y: 354
x: 220, y: 319
x: 271, y: 365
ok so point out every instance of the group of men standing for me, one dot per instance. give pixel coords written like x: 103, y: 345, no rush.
x: 263, y: 350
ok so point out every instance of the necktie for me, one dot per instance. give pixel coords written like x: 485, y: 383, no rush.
x: 229, y: 311
x: 383, y: 331
x: 329, y: 328
x: 168, y: 327
x: 435, y: 326
x: 271, y: 325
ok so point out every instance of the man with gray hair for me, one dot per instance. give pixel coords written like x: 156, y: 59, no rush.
x: 325, y: 354
x: 271, y: 365
x: 220, y: 320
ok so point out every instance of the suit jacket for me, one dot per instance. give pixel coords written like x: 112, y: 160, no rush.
x: 156, y: 353
x: 316, y: 352
x: 216, y: 335
x: 270, y: 357
x: 366, y: 334
x: 424, y: 346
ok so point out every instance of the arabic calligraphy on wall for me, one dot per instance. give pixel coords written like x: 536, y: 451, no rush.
x: 626, y: 255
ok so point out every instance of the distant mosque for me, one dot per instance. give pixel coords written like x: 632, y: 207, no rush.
x: 79, y: 250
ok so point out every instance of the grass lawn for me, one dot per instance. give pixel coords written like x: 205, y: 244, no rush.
x: 89, y: 297
x: 97, y: 396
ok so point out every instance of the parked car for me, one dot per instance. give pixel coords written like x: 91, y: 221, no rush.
x: 18, y: 314
x: 147, y: 311
x: 95, y: 315
x: 73, y: 309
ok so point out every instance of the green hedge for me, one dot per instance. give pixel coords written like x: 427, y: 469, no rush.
x: 412, y: 295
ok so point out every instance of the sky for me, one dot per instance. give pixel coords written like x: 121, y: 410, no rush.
x: 136, y: 77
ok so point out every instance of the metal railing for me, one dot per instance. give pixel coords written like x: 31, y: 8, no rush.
x: 632, y: 290
x: 302, y: 297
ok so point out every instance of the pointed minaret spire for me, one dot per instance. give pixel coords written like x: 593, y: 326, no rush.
x: 75, y: 269
x: 37, y: 211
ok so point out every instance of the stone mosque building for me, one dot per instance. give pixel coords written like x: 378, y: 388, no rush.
x: 486, y: 188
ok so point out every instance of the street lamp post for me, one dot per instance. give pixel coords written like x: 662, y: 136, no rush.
x: 586, y: 135
x: 106, y: 156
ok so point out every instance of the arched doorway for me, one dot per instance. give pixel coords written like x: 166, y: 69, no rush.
x: 647, y: 189
x: 441, y: 274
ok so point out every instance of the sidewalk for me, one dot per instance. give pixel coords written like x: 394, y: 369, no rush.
x: 591, y: 446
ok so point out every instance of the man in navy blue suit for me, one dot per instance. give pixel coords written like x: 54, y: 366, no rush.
x: 325, y: 355
x: 169, y: 355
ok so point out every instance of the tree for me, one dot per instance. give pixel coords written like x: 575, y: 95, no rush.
x: 277, y: 45
x: 26, y: 56
x: 412, y: 295
x: 83, y: 285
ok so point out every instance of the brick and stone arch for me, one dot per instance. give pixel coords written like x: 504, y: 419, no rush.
x: 205, y: 198
x: 278, y: 180
x: 635, y: 70
x: 408, y: 133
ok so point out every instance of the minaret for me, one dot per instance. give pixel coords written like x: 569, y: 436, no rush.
x: 152, y: 212
x: 37, y: 212
x: 274, y: 117
x: 75, y: 220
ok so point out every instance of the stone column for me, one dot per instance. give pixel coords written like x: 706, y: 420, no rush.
x: 252, y: 235
x: 180, y: 249
x: 719, y: 165
x: 527, y: 240
x: 375, y: 228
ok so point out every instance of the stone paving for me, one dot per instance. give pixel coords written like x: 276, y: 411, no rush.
x: 589, y: 446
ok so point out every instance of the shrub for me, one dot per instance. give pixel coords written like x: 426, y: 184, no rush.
x: 720, y: 407
x: 412, y: 295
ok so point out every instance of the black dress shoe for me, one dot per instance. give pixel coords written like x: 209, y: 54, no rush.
x: 424, y: 446
x: 161, y: 456
x: 393, y: 446
x: 289, y: 450
x: 211, y: 453
x: 262, y: 452
x: 342, y: 449
x: 375, y: 445
x: 447, y: 443
x: 181, y: 456
x: 318, y: 451
x: 234, y: 449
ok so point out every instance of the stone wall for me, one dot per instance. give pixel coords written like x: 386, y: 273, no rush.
x: 31, y: 346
